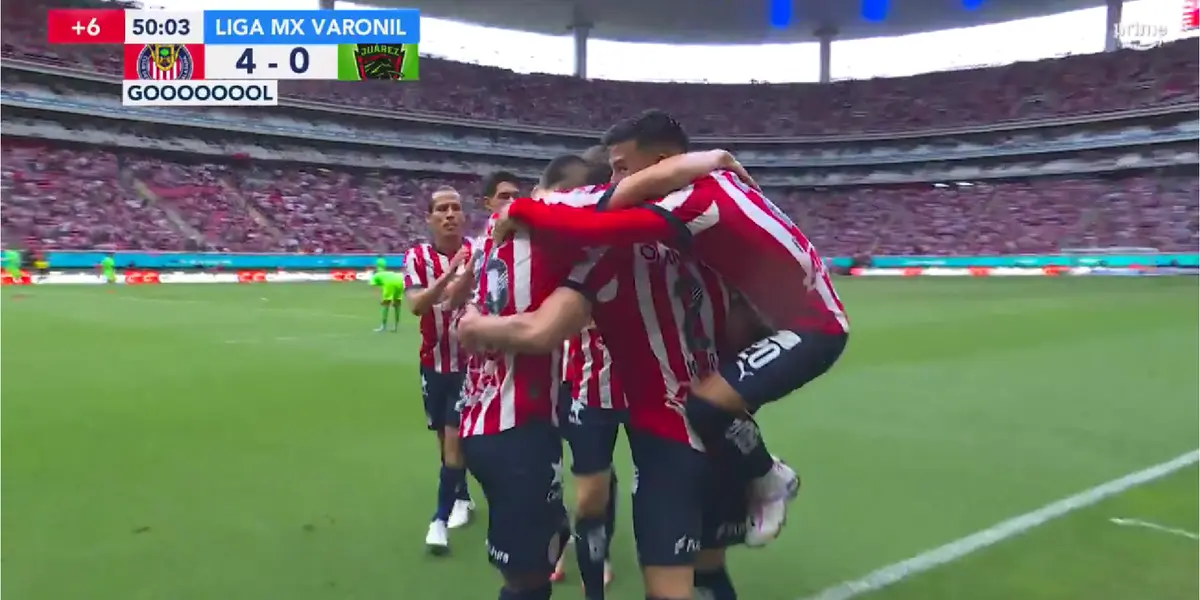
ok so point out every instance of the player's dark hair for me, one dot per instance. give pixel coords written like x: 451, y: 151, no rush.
x: 555, y: 174
x: 492, y: 182
x: 599, y: 171
x: 651, y: 129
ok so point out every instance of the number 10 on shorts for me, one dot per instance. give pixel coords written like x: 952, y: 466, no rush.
x: 271, y: 62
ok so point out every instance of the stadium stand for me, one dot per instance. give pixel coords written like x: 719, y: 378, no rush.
x: 1069, y: 86
x: 81, y: 197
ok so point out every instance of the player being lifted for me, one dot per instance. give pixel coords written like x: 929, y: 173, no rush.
x: 722, y: 221
x: 430, y: 269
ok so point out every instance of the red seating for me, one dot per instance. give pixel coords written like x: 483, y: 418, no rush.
x: 1047, y: 88
x: 76, y: 199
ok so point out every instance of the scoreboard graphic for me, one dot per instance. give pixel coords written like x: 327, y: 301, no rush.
x: 237, y: 58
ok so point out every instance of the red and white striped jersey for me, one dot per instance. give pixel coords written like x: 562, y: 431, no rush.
x: 587, y: 367
x: 515, y: 277
x: 663, y: 317
x: 739, y: 233
x: 440, y: 351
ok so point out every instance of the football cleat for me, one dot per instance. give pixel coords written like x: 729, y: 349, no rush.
x: 460, y: 515
x: 438, y: 538
x: 769, y: 498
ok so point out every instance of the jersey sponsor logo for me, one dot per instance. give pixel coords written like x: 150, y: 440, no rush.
x: 691, y: 297
x: 380, y: 61
x: 165, y: 62
x: 498, y: 293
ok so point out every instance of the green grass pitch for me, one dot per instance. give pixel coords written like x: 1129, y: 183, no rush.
x: 222, y: 442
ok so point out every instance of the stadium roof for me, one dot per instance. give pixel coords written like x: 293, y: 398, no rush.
x: 733, y: 21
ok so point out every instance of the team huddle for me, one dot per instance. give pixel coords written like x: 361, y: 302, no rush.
x: 618, y: 294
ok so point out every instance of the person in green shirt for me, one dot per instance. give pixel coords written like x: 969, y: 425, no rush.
x: 108, y: 266
x: 393, y: 296
x: 12, y: 262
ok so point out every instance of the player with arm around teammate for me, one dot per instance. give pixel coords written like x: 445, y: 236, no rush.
x: 430, y: 268
x: 510, y: 441
x: 663, y: 318
x: 722, y: 221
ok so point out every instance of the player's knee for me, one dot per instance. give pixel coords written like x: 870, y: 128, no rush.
x: 669, y: 583
x: 710, y: 560
x: 591, y: 493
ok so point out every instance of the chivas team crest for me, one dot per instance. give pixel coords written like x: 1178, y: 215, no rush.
x: 380, y: 61
x: 165, y: 62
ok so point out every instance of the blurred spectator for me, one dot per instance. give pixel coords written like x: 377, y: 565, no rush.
x: 77, y: 199
x: 1048, y: 88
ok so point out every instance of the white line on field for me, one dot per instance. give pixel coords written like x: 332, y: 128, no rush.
x: 957, y: 549
x: 296, y: 338
x: 1155, y: 527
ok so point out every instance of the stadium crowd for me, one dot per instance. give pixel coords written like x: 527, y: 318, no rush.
x: 54, y: 197
x: 1055, y: 87
x: 77, y: 199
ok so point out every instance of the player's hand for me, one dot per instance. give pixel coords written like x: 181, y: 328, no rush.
x: 725, y: 160
x: 466, y: 328
x: 505, y: 226
x: 460, y: 258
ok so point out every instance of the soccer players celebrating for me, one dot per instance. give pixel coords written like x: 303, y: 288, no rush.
x: 509, y: 438
x: 663, y: 318
x: 591, y: 408
x: 430, y: 267
x: 732, y: 228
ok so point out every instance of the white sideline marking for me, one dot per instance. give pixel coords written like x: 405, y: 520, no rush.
x: 1155, y: 527
x: 957, y: 549
x: 296, y: 338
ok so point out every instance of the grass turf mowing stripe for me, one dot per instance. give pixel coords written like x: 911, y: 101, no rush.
x: 957, y: 549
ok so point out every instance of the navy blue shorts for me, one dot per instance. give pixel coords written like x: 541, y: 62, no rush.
x: 590, y: 432
x: 726, y: 504
x: 668, y: 499
x: 441, y: 393
x: 781, y: 363
x: 520, y: 471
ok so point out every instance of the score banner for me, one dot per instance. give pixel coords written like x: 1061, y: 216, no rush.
x: 237, y: 58
x: 343, y: 62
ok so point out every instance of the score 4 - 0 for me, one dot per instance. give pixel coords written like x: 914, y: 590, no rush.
x: 271, y: 62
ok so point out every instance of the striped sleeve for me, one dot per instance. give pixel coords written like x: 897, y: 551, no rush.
x: 414, y: 269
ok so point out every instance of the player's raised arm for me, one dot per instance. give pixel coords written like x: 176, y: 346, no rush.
x: 589, y: 227
x: 673, y: 173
